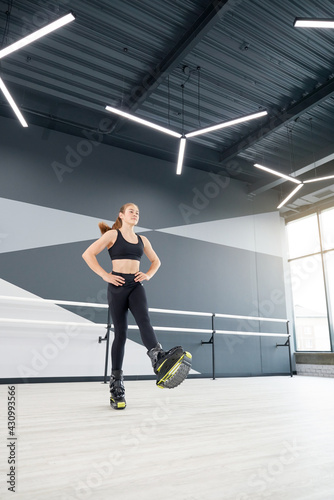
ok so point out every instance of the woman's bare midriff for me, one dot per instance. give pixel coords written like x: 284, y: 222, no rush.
x: 126, y: 266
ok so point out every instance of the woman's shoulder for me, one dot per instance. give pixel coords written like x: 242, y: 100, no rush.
x: 110, y: 236
x: 144, y: 239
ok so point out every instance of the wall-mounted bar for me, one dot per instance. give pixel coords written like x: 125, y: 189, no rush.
x: 213, y: 331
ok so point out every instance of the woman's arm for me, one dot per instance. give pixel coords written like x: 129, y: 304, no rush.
x: 94, y: 249
x: 153, y: 258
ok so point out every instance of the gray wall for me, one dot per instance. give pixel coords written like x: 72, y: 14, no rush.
x: 220, y: 250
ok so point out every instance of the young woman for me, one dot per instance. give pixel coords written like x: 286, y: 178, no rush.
x: 126, y: 292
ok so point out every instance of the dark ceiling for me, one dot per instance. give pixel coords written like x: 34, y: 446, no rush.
x: 185, y: 65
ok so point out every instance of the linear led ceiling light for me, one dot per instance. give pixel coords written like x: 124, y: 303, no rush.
x: 12, y: 103
x: 181, y: 155
x: 226, y: 124
x: 290, y: 195
x: 292, y: 179
x: 22, y: 43
x: 313, y: 23
x: 143, y: 122
x: 319, y: 179
x: 37, y: 34
x: 279, y: 174
x: 185, y: 136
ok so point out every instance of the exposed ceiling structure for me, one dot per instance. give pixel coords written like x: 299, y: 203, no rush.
x: 185, y: 65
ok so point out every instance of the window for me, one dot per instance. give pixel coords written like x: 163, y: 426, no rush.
x: 327, y: 228
x: 303, y: 237
x: 311, y: 259
x: 329, y: 266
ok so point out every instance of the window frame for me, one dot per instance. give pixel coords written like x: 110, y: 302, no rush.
x: 322, y: 254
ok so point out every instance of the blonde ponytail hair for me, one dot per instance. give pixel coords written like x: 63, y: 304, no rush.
x: 118, y: 222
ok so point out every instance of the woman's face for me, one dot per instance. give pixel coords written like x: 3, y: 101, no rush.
x: 131, y: 215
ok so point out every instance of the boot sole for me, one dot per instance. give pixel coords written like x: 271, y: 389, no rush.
x: 117, y: 405
x: 177, y: 373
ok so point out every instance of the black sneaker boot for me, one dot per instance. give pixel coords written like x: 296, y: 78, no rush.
x: 171, y: 367
x: 117, y: 391
x: 155, y: 354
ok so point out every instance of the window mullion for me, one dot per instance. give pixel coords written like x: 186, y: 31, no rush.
x: 324, y: 272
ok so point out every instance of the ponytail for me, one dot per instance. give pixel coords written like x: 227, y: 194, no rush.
x: 104, y: 227
x: 118, y: 222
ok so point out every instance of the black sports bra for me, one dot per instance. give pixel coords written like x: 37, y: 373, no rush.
x: 122, y: 249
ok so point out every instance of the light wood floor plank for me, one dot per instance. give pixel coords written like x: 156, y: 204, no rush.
x: 228, y: 439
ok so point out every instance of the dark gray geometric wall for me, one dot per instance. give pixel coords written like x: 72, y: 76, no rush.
x: 220, y: 250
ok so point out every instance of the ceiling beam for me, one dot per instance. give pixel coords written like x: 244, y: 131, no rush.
x: 305, y: 104
x: 205, y: 22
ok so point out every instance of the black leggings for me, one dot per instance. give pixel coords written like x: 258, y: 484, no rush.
x: 131, y: 296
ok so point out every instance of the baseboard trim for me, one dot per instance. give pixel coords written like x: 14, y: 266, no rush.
x: 58, y: 380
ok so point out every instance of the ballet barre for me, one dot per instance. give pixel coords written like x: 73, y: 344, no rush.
x: 213, y: 331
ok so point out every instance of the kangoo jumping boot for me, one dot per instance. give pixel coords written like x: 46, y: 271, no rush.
x: 171, y: 367
x: 117, y: 391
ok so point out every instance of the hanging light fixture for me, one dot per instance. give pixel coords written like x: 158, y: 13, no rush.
x: 183, y: 140
x: 22, y: 43
x: 319, y: 179
x: 143, y: 122
x: 279, y: 174
x: 12, y: 103
x: 290, y: 195
x: 37, y: 34
x: 226, y: 124
x: 292, y: 179
x: 181, y: 155
x: 301, y: 22
x: 185, y: 136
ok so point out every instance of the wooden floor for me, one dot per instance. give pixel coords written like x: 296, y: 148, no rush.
x: 228, y: 439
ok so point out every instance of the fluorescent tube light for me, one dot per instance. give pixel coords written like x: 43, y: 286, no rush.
x: 226, y: 124
x: 290, y: 195
x: 12, y: 104
x: 313, y: 23
x: 319, y: 179
x: 143, y: 122
x: 181, y: 155
x: 279, y: 174
x: 37, y: 34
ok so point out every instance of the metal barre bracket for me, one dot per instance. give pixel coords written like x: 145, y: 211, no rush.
x: 212, y: 342
x: 102, y: 339
x: 106, y: 338
x: 287, y: 344
x: 283, y: 345
x: 209, y: 341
